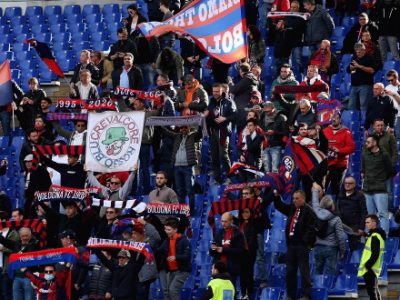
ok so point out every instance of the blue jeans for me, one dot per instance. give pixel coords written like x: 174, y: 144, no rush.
x: 184, y: 181
x: 296, y: 60
x: 148, y: 74
x: 325, y: 256
x: 359, y: 97
x: 260, y: 258
x: 378, y: 203
x: 22, y: 289
x: 172, y: 283
x: 5, y: 120
x: 271, y: 158
x: 389, y: 189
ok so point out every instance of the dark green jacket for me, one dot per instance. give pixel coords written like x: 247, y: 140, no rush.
x: 377, y: 168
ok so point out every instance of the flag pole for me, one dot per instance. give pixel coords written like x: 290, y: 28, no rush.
x: 13, y: 120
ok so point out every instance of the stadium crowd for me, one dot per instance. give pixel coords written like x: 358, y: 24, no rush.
x: 250, y: 119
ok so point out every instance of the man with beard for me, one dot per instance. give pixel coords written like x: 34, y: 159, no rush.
x: 285, y: 77
x: 120, y: 48
x: 162, y: 193
x: 340, y: 146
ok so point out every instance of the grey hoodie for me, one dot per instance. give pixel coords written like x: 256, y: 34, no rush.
x: 335, y: 234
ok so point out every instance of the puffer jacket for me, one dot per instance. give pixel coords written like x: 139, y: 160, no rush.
x: 198, y: 102
x: 335, y: 235
x: 343, y: 141
x: 100, y: 281
x: 320, y: 26
x: 192, y: 138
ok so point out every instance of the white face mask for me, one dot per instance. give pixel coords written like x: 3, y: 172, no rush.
x: 49, y: 277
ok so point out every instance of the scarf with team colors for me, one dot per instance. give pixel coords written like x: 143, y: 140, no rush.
x: 36, y: 225
x: 142, y: 248
x: 42, y: 257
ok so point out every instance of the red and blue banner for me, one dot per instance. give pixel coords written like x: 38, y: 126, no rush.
x: 44, y: 52
x: 5, y: 84
x: 42, y: 257
x: 326, y: 110
x: 217, y: 26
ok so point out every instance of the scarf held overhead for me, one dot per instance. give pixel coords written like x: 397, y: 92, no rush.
x: 168, y: 209
x: 86, y: 104
x: 66, y: 116
x: 292, y: 89
x: 194, y: 120
x: 142, y: 248
x: 43, y: 257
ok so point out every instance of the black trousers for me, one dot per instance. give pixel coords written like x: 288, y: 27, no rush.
x: 371, y: 283
x: 297, y: 258
x: 334, y: 179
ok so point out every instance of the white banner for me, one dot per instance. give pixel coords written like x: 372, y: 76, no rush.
x: 113, y: 140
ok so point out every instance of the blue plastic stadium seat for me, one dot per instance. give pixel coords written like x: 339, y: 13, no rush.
x: 72, y: 10
x: 44, y: 37
x: 110, y: 9
x: 60, y: 54
x: 323, y: 281
x: 395, y: 264
x: 348, y: 22
x: 344, y: 284
x: 36, y: 19
x: 23, y: 36
x: 62, y: 37
x: 51, y: 10
x: 73, y: 19
x: 319, y: 293
x: 93, y: 18
x: 18, y: 20
x: 57, y: 28
x: 387, y: 65
x: 80, y: 45
x: 98, y: 36
x: 76, y: 27
x: 338, y: 32
x: 33, y: 11
x: 40, y: 28
x: 20, y: 29
x: 4, y: 28
x: 23, y: 55
x: 112, y: 18
x: 12, y: 11
x: 277, y: 281
x: 271, y: 293
x: 79, y: 37
x: 90, y: 9
x: 55, y: 19
x: 98, y: 28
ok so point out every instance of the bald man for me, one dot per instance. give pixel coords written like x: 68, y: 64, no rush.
x: 228, y: 246
x: 380, y: 107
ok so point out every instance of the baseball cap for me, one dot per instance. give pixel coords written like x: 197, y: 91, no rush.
x: 68, y: 233
x: 29, y: 157
x: 124, y: 253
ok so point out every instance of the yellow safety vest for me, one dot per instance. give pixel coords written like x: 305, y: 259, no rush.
x: 377, y: 267
x: 223, y: 289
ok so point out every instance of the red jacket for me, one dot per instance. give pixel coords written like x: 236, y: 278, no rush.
x: 313, y: 96
x: 341, y: 145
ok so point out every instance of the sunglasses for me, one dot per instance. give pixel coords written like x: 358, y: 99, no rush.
x: 115, y: 182
x: 48, y: 271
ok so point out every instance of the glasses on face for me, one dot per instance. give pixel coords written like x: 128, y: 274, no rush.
x: 48, y: 271
x: 115, y: 182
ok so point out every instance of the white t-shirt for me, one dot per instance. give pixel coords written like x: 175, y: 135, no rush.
x: 395, y: 89
x: 84, y: 91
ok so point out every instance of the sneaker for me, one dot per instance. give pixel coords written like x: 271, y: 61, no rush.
x: 245, y: 297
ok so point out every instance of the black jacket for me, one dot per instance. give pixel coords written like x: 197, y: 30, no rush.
x: 94, y: 71
x: 192, y: 138
x: 100, y: 281
x: 352, y: 209
x: 253, y: 152
x: 381, y: 107
x: 387, y: 17
x: 123, y: 277
x: 354, y: 34
x: 149, y: 50
x: 298, y: 26
x: 122, y: 46
x: 183, y: 254
x: 135, y: 78
x: 71, y: 176
x: 304, y: 233
x: 225, y: 108
x: 234, y: 252
x: 280, y: 128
